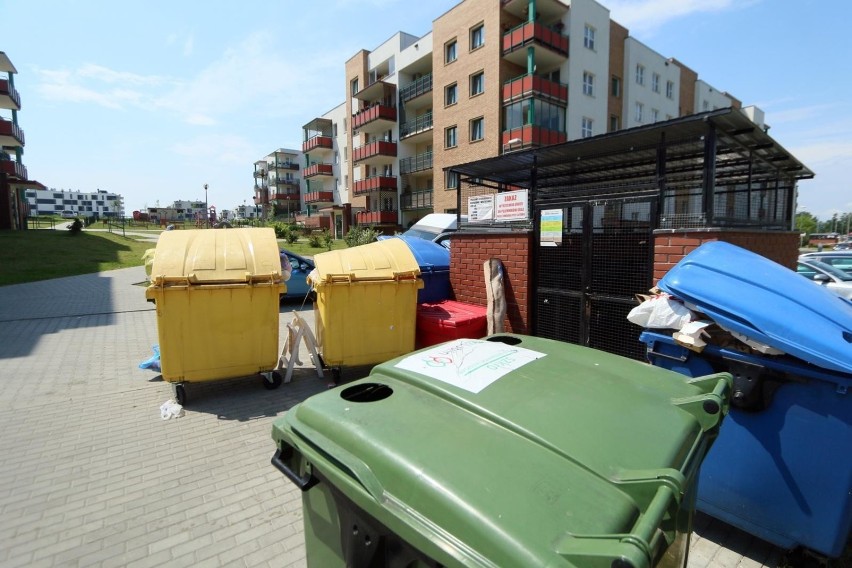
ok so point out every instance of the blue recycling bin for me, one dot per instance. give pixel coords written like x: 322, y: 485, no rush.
x: 781, y: 468
x: 434, y: 262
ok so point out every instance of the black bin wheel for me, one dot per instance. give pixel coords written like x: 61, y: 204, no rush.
x: 274, y: 383
x: 180, y: 395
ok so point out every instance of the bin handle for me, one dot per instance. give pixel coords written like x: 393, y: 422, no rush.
x: 286, y: 452
x: 679, y: 358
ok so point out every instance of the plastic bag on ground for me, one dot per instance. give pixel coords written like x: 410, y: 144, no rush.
x: 171, y: 409
x: 153, y: 362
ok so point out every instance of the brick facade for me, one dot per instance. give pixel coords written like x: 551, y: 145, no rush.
x: 467, y: 276
x: 672, y: 245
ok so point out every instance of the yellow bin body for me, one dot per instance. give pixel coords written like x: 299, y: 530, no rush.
x: 217, y: 294
x: 366, y: 306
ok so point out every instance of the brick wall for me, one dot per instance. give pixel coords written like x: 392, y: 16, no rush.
x: 671, y: 246
x: 467, y: 276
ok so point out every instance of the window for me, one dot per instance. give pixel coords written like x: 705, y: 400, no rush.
x: 640, y: 74
x: 655, y: 115
x: 450, y: 54
x: 639, y: 109
x: 705, y: 106
x: 353, y: 86
x: 588, y: 84
x: 589, y: 37
x: 655, y: 82
x: 670, y: 89
x: 334, y: 129
x: 477, y: 129
x: 616, y: 86
x: 477, y: 37
x: 587, y: 127
x: 544, y: 114
x: 451, y: 94
x: 614, y: 122
x: 450, y: 140
x: 452, y: 180
x: 477, y: 83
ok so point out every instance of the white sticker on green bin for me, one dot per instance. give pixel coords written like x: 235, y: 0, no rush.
x: 469, y: 364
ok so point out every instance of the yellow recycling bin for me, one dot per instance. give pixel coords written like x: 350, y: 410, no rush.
x: 217, y: 296
x: 366, y: 307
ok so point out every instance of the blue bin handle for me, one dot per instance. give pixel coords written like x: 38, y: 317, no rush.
x: 303, y: 482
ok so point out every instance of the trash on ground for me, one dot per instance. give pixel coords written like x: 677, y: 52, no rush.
x: 171, y: 409
x: 153, y: 362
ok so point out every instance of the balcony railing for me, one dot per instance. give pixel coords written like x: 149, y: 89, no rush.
x: 531, y: 32
x: 530, y: 135
x: 420, y: 124
x: 376, y: 112
x: 282, y: 196
x: 9, y: 128
x: 261, y: 198
x: 375, y: 217
x: 374, y: 183
x: 417, y: 163
x: 319, y: 197
x: 13, y: 169
x: 417, y: 199
x: 373, y: 149
x: 318, y: 170
x: 318, y: 142
x: 530, y: 85
x: 419, y: 87
x: 9, y: 91
x: 285, y: 166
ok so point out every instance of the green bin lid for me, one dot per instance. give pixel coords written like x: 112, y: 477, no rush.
x: 515, y: 451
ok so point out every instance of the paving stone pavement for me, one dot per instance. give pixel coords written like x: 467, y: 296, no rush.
x: 90, y: 474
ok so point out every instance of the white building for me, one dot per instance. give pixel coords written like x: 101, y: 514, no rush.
x: 98, y: 204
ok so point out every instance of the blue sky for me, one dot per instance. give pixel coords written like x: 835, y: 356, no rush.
x: 154, y: 99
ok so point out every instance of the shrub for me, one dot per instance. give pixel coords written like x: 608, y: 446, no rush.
x: 76, y: 227
x: 315, y: 240
x: 360, y: 236
x: 327, y: 239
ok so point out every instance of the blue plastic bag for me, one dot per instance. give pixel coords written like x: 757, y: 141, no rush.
x: 154, y: 362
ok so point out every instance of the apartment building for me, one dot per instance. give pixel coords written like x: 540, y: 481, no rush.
x: 278, y: 184
x: 13, y: 174
x: 489, y: 78
x: 98, y: 203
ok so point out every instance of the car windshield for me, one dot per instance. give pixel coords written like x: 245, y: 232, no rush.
x: 828, y: 269
x: 420, y: 234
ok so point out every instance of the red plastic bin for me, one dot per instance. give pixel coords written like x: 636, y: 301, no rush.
x: 447, y: 320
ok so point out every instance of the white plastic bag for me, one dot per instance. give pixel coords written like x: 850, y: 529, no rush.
x: 171, y: 409
x: 660, y: 312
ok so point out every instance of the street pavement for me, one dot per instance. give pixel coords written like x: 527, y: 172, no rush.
x: 91, y: 475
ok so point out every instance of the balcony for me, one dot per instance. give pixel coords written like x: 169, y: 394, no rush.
x: 553, y: 44
x: 319, y: 197
x: 376, y: 218
x: 11, y: 134
x: 318, y: 170
x: 285, y: 196
x: 539, y: 87
x: 284, y: 166
x: 374, y: 183
x: 419, y: 163
x: 420, y: 124
x: 13, y: 169
x: 260, y: 174
x: 416, y: 200
x: 9, y: 97
x: 530, y: 135
x: 418, y: 88
x: 318, y: 143
x: 261, y: 197
x: 378, y: 114
x: 372, y: 150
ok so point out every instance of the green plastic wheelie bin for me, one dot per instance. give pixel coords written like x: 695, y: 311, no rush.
x: 503, y: 452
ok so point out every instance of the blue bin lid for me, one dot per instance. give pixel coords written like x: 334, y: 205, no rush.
x: 429, y: 256
x: 752, y: 295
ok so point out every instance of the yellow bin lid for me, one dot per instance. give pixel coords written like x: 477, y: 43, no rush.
x: 205, y: 256
x: 390, y: 259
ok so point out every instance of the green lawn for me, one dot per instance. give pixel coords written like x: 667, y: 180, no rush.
x: 33, y: 255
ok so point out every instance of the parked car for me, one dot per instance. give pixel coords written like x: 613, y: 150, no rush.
x: 834, y: 279
x: 845, y: 245
x: 297, y: 286
x: 837, y: 259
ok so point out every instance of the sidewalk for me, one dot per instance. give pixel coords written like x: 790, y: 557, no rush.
x: 92, y: 476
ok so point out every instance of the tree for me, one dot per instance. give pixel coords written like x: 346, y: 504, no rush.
x: 806, y: 223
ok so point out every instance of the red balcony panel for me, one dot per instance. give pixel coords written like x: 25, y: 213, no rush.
x: 530, y: 85
x: 377, y: 148
x: 533, y: 136
x: 318, y: 170
x: 318, y: 142
x: 376, y: 112
x: 261, y: 198
x: 285, y: 196
x: 363, y: 186
x: 375, y: 217
x: 13, y: 169
x: 537, y: 33
x: 11, y: 131
x: 319, y: 197
x: 6, y: 90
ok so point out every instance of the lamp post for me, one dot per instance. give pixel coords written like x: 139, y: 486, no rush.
x: 206, y: 208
